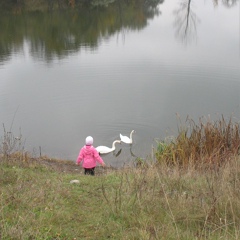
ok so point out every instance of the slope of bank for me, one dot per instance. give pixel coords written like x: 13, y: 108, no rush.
x: 150, y: 202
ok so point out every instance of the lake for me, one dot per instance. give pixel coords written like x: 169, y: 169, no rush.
x: 65, y: 75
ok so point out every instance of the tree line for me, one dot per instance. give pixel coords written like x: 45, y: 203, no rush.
x: 17, y: 6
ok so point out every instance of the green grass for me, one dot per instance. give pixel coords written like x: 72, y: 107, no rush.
x: 145, y: 203
x: 41, y: 204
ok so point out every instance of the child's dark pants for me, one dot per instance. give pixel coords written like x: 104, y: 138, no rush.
x: 89, y: 171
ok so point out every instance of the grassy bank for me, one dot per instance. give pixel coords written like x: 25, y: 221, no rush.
x: 145, y: 203
x: 163, y: 199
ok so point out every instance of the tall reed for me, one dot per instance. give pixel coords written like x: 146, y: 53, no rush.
x: 10, y: 144
x: 208, y: 143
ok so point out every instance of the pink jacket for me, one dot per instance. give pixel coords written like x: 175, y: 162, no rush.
x: 89, y: 155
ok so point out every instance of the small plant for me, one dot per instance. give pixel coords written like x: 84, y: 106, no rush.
x: 9, y: 143
x: 140, y: 162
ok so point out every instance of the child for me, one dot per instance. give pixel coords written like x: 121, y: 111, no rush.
x: 89, y: 155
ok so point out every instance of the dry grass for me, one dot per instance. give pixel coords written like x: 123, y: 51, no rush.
x: 174, y: 203
x: 154, y: 202
x: 206, y: 144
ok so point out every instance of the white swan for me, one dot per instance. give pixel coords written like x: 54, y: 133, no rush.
x: 126, y: 139
x: 104, y: 149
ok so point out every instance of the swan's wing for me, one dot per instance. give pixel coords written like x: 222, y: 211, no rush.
x: 121, y: 136
x: 125, y: 139
x: 103, y: 149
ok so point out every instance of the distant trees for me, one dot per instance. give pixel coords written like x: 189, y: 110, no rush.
x: 33, y: 5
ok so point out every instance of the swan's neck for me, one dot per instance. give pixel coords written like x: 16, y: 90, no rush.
x: 131, y: 135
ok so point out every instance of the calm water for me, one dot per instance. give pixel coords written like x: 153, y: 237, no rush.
x: 64, y: 76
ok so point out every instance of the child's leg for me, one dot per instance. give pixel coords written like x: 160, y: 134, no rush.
x: 92, y: 171
x: 89, y: 171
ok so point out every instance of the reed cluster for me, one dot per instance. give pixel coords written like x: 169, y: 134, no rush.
x: 208, y: 143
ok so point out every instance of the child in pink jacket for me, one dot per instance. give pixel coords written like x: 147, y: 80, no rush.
x: 90, y: 156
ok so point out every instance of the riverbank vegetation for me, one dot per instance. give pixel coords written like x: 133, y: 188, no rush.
x: 19, y: 6
x: 190, y: 190
x: 209, y: 144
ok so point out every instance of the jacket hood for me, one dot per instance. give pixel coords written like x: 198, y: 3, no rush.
x: 87, y: 149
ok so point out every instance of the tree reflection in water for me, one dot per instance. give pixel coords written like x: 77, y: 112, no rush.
x: 226, y: 3
x: 52, y: 34
x: 186, y: 22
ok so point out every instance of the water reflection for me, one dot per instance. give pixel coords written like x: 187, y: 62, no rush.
x: 118, y: 153
x: 226, y: 3
x: 59, y: 34
x: 186, y: 22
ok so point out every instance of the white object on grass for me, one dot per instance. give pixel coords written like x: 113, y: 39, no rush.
x: 75, y: 181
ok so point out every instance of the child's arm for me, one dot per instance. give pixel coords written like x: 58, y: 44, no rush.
x: 98, y: 158
x: 79, y: 158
